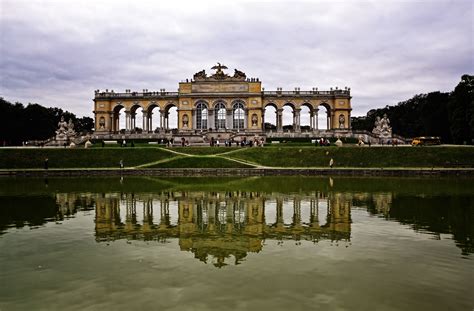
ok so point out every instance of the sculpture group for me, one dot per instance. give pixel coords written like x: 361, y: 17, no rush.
x: 382, y: 128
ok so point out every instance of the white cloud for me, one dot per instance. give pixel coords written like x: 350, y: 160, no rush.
x: 57, y: 52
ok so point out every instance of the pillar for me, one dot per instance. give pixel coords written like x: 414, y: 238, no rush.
x: 316, y: 127
x: 229, y: 118
x: 328, y: 122
x: 297, y: 125
x: 127, y: 121
x: 279, y: 120
x: 162, y: 120
x: 144, y: 122
x: 210, y: 118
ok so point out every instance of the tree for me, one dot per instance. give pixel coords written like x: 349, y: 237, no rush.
x: 34, y: 122
x: 448, y: 115
x: 461, y: 107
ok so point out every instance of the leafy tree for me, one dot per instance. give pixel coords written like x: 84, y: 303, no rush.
x: 461, y: 106
x: 34, y: 122
x: 448, y: 115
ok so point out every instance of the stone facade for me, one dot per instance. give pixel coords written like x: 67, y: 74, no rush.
x: 220, y: 103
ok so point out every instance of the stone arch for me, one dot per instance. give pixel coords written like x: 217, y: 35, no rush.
x: 201, y: 114
x: 324, y: 121
x: 170, y: 116
x: 154, y: 115
x: 117, y: 125
x: 288, y: 116
x: 268, y: 118
x: 238, y: 114
x: 133, y: 113
x: 220, y: 114
x: 306, y: 116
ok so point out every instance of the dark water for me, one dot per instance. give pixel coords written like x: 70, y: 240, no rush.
x: 281, y: 243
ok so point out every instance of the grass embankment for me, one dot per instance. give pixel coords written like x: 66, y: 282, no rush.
x: 221, y: 157
x: 79, y: 158
x: 359, y: 157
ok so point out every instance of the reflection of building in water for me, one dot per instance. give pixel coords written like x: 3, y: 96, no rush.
x: 69, y: 203
x: 220, y: 225
x: 377, y: 203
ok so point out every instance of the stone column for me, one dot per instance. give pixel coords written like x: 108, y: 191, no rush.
x: 263, y: 120
x: 279, y: 120
x: 229, y: 118
x: 297, y: 115
x: 279, y: 211
x: 111, y: 123
x: 150, y: 122
x: 316, y: 119
x: 328, y: 116
x: 144, y: 121
x: 246, y: 118
x: 162, y: 120
x: 210, y: 118
x: 127, y: 121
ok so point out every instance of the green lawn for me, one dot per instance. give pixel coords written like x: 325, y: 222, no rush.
x: 200, y: 162
x: 359, y: 157
x: 207, y: 157
x: 79, y: 158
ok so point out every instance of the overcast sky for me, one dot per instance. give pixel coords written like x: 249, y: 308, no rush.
x: 56, y: 53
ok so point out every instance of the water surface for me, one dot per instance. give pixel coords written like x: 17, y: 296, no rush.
x: 258, y: 243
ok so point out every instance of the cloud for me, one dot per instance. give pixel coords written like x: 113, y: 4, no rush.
x: 57, y: 52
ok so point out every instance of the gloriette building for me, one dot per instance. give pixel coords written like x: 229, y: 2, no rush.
x: 222, y: 104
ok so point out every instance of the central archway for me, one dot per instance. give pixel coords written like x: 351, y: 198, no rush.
x: 220, y: 115
x: 201, y: 115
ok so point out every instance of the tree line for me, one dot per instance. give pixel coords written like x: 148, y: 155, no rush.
x: 19, y: 123
x: 447, y: 115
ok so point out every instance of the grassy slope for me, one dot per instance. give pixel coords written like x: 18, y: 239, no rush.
x: 83, y: 158
x: 200, y: 162
x: 359, y: 157
x: 298, y: 156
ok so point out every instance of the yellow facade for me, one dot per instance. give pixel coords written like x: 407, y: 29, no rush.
x: 200, y: 103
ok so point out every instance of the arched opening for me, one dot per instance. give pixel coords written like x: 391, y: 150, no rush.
x: 171, y: 117
x: 119, y: 123
x: 288, y: 117
x: 238, y: 114
x: 154, y: 119
x: 136, y: 112
x: 270, y: 118
x: 201, y: 115
x: 306, y: 118
x: 220, y: 115
x: 324, y: 117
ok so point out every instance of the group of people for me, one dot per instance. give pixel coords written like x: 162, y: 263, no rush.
x: 322, y: 142
x: 242, y: 143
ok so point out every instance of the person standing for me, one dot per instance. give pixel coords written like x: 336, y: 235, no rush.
x: 331, y: 163
x: 121, y: 164
x: 46, y: 163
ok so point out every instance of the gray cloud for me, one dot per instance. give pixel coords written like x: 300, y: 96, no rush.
x: 57, y: 52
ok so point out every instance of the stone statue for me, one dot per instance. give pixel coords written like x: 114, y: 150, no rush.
x: 377, y: 126
x: 185, y: 121
x: 201, y: 75
x: 239, y: 75
x: 254, y: 120
x: 385, y: 123
x: 219, y: 75
x: 62, y: 127
x: 70, y: 129
x: 382, y: 127
x: 342, y: 121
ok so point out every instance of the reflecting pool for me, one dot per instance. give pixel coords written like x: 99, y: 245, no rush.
x: 257, y: 243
